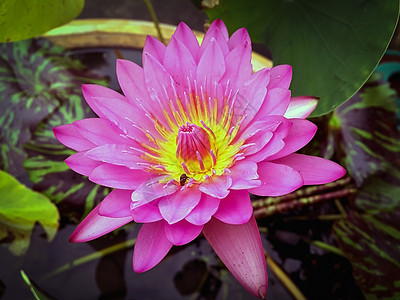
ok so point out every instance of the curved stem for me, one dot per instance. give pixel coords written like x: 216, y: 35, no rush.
x: 284, y: 278
x: 92, y: 256
x: 154, y: 18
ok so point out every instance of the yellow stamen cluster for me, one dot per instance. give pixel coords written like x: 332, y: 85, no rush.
x: 216, y: 122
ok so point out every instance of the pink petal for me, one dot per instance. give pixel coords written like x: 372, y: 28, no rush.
x: 177, y: 206
x: 118, y: 177
x: 155, y: 47
x: 150, y: 190
x: 257, y: 135
x: 159, y: 85
x: 314, y: 170
x: 239, y: 38
x: 120, y: 155
x: 124, y: 115
x: 275, y: 103
x: 281, y: 76
x: 182, y: 232
x: 184, y: 34
x: 257, y: 142
x: 94, y: 226
x: 211, y: 66
x: 100, y: 131
x: 244, y: 175
x: 216, y: 186
x: 81, y: 164
x: 131, y: 79
x: 147, y: 213
x: 255, y: 90
x: 213, y: 35
x: 203, y: 212
x: 298, y: 136
x: 116, y: 204
x: 270, y: 124
x: 238, y: 66
x: 92, y: 90
x: 70, y: 137
x: 179, y: 62
x: 235, y: 208
x: 241, y: 250
x: 301, y: 107
x: 276, y: 180
x: 151, y: 246
x: 220, y: 25
x: 276, y: 143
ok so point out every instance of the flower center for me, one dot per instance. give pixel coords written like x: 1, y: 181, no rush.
x: 194, y: 150
x: 197, y: 138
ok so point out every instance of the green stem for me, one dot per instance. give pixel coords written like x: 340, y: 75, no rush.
x: 322, y: 218
x: 28, y: 282
x: 297, y: 203
x: 301, y: 193
x: 96, y: 255
x: 340, y: 208
x: 334, y: 217
x: 327, y: 247
x: 284, y: 278
x: 155, y: 19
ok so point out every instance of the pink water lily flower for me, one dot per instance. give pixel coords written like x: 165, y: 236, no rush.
x: 193, y: 133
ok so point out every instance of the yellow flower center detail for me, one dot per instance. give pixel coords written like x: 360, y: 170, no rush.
x: 198, y: 139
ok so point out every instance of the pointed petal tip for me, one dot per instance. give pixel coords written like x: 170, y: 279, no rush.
x: 120, y: 63
x: 87, y: 87
x: 141, y: 268
x: 281, y: 76
x: 151, y: 246
x: 181, y: 24
x: 240, y: 249
x: 313, y: 169
x: 262, y: 291
x: 72, y: 238
x: 301, y: 107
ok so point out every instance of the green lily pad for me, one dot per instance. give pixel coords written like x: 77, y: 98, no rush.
x: 20, y: 209
x: 24, y: 19
x: 333, y: 46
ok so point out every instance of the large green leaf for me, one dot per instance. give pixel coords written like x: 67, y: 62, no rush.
x: 20, y: 209
x: 24, y: 19
x: 333, y: 46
